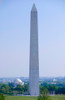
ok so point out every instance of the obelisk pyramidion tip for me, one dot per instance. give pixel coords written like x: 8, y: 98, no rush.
x: 34, y: 8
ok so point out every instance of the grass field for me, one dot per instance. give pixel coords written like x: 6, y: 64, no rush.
x: 59, y: 97
x: 20, y: 98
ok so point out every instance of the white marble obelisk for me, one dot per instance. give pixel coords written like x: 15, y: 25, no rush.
x: 34, y: 59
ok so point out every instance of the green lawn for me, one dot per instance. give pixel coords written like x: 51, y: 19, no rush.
x: 60, y: 97
x: 20, y: 98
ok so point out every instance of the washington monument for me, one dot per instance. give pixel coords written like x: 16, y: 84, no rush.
x: 34, y: 59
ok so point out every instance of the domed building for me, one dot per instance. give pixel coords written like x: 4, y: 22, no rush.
x: 19, y: 82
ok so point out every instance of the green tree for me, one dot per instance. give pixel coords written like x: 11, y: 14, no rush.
x: 44, y: 95
x: 2, y: 97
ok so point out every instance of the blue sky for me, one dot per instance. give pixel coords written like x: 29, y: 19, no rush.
x: 15, y: 37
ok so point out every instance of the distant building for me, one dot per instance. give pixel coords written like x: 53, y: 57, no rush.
x: 54, y: 80
x: 19, y: 82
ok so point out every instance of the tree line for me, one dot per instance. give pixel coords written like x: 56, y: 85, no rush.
x: 9, y: 89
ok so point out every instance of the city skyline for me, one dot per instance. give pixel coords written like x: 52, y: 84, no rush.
x: 15, y: 37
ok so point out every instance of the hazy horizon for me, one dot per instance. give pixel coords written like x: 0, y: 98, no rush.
x: 15, y: 37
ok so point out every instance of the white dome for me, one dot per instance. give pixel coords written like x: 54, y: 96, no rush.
x: 19, y: 80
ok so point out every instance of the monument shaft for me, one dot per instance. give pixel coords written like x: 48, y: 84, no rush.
x: 34, y: 60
